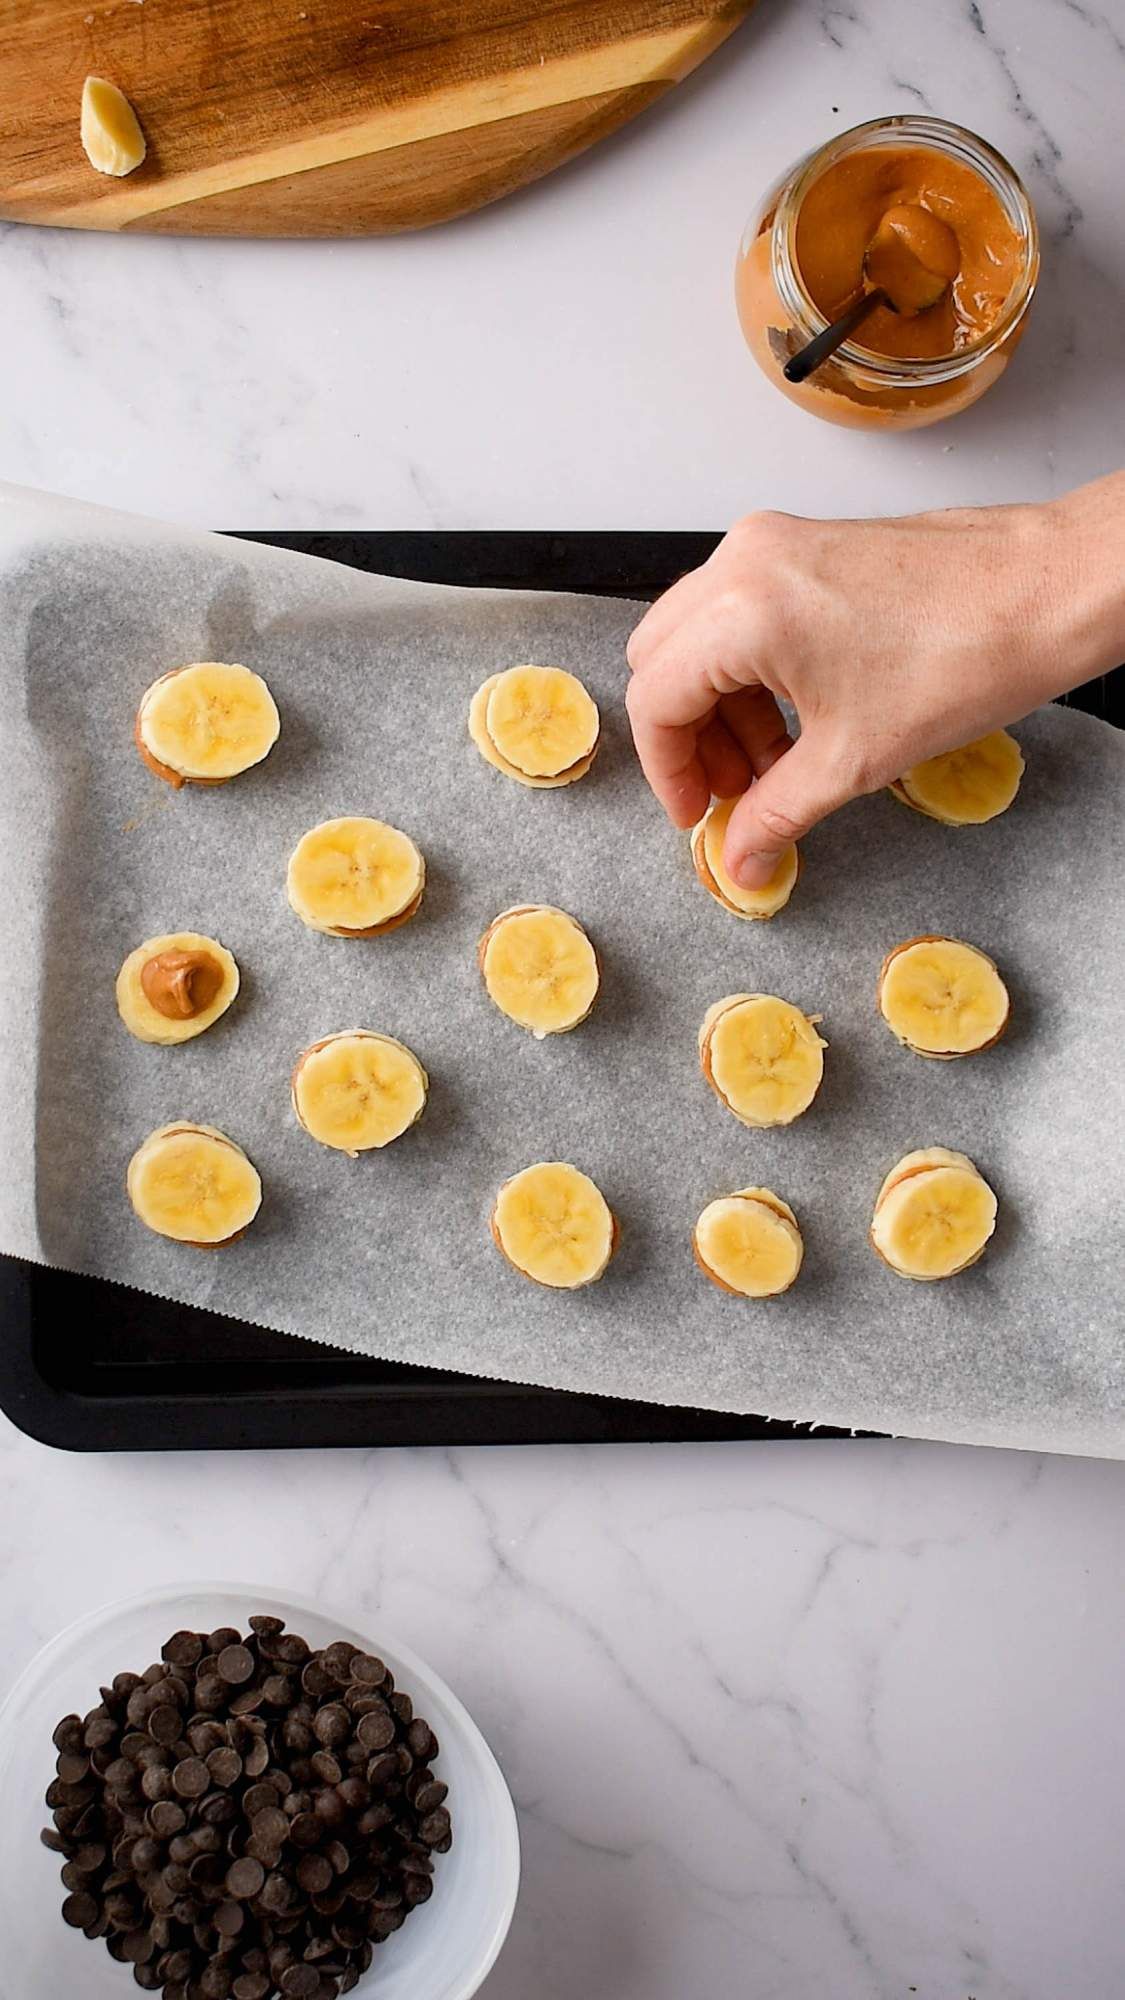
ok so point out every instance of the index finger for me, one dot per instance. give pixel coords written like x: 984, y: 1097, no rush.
x: 669, y: 702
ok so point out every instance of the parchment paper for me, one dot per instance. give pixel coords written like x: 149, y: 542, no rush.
x: 390, y: 1254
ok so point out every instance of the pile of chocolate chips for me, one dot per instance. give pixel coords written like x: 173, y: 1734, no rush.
x: 247, y: 1818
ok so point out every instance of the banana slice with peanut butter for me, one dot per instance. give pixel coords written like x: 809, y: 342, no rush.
x: 175, y: 986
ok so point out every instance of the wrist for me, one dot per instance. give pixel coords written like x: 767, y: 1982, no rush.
x: 1084, y: 581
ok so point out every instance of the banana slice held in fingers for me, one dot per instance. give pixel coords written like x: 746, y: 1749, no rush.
x: 358, y: 1090
x: 539, y: 968
x: 206, y: 723
x: 762, y: 1057
x: 552, y: 1223
x: 749, y: 1243
x: 707, y: 854
x: 175, y: 986
x: 942, y: 998
x: 965, y: 787
x: 192, y: 1183
x: 933, y: 1215
x: 538, y: 725
x: 355, y: 878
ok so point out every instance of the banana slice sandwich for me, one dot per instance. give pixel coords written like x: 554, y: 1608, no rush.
x: 554, y: 1225
x: 933, y: 1215
x: 175, y: 986
x: 358, y: 1090
x: 942, y: 998
x: 192, y: 1183
x: 206, y: 723
x: 749, y: 1243
x: 707, y: 854
x: 536, y: 724
x: 965, y: 787
x: 355, y: 878
x: 762, y: 1057
x: 539, y: 968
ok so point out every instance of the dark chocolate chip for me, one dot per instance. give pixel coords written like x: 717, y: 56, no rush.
x: 300, y: 1982
x: 183, y: 1649
x: 376, y: 1731
x: 79, y: 1910
x: 314, y: 1873
x: 251, y: 1986
x: 245, y: 1878
x: 190, y: 1778
x: 229, y: 1919
x: 225, y: 1766
x: 256, y: 1759
x: 366, y: 1667
x: 165, y: 1725
x: 332, y: 1725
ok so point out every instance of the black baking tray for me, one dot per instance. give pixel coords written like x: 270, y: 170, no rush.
x: 88, y: 1365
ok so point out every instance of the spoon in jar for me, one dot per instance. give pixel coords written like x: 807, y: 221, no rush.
x: 908, y: 266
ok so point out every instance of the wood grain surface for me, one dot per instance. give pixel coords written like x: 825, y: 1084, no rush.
x: 351, y: 117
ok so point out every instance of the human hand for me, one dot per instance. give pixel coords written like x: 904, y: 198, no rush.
x: 893, y: 640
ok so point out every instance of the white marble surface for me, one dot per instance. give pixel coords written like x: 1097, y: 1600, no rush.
x: 787, y: 1721
x: 571, y: 357
x: 816, y: 1721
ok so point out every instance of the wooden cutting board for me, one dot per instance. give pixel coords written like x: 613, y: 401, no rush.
x: 326, y: 117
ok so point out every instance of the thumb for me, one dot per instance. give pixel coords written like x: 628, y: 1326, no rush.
x: 781, y: 807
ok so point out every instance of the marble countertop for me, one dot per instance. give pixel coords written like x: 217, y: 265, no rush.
x: 783, y: 1721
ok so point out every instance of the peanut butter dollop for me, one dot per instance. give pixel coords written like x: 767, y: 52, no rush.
x: 914, y: 256
x: 181, y: 984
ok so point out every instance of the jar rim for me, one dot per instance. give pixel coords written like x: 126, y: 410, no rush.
x: 942, y: 135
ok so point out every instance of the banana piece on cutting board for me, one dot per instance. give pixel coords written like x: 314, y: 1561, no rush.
x: 536, y: 724
x: 942, y: 998
x: 174, y: 986
x: 192, y: 1183
x: 762, y: 1057
x: 539, y: 968
x: 553, y: 1224
x: 933, y: 1215
x: 355, y: 878
x: 707, y: 854
x: 358, y: 1090
x: 206, y: 723
x: 110, y: 130
x: 749, y: 1243
x: 965, y: 787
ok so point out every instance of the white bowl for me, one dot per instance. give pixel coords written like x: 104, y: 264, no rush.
x: 443, y: 1951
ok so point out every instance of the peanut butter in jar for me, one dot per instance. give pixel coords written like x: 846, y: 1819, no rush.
x: 939, y: 220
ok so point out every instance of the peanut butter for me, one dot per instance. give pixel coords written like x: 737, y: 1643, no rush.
x: 181, y: 984
x: 926, y: 227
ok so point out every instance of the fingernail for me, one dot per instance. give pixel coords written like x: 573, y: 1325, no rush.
x: 754, y: 870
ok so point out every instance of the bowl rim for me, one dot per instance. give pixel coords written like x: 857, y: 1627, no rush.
x: 506, y: 1822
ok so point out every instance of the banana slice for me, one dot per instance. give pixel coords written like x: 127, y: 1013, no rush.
x: 553, y: 1224
x: 539, y: 968
x: 965, y: 787
x: 192, y: 1183
x: 357, y: 1090
x: 762, y: 1057
x: 933, y: 1216
x: 175, y: 986
x: 111, y: 135
x: 537, y: 725
x: 355, y: 878
x: 942, y: 998
x: 707, y: 854
x: 203, y: 724
x: 749, y: 1244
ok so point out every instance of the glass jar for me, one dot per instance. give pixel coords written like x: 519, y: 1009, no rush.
x: 857, y: 386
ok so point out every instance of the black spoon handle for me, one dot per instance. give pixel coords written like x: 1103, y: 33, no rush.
x: 800, y: 365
